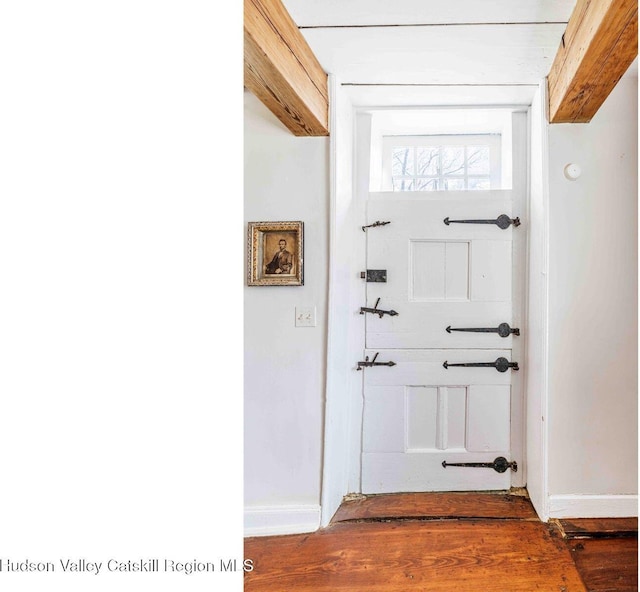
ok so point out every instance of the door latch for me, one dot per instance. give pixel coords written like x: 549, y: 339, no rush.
x: 500, y: 465
x: 375, y: 224
x: 368, y: 364
x: 503, y: 221
x: 376, y: 310
x: 501, y: 365
x: 502, y: 329
x: 374, y: 275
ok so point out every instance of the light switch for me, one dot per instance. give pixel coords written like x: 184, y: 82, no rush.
x: 305, y: 316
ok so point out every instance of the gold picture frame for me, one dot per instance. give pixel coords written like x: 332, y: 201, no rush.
x: 275, y: 254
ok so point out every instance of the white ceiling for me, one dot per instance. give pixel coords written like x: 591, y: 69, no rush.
x: 434, y: 52
x: 467, y: 54
x: 397, y: 12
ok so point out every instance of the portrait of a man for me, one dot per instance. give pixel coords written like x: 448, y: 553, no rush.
x: 282, y: 261
x: 275, y: 253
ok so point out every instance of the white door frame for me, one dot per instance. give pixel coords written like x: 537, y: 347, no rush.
x: 537, y: 379
x: 345, y: 339
x: 520, y: 124
x: 343, y: 414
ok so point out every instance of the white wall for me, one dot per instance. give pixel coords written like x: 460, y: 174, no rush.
x: 585, y: 233
x: 286, y: 178
x: 593, y: 312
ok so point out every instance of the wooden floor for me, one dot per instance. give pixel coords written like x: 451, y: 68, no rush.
x: 605, y: 552
x: 440, y: 543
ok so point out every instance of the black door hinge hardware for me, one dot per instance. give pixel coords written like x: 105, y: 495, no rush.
x: 376, y: 310
x: 378, y: 223
x: 502, y: 329
x: 374, y: 275
x: 501, y: 365
x: 500, y: 465
x: 503, y: 221
x: 368, y: 364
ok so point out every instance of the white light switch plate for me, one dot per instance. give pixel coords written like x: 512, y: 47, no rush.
x: 305, y: 316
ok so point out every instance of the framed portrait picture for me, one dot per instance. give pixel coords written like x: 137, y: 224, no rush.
x: 275, y: 254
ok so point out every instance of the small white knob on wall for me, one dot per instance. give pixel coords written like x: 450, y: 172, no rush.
x: 572, y: 171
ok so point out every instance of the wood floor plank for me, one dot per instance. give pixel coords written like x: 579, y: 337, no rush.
x: 599, y: 527
x: 430, y: 556
x: 607, y: 565
x: 441, y: 505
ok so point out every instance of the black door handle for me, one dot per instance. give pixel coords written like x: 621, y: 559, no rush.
x: 502, y: 329
x: 503, y: 221
x: 500, y: 464
x: 501, y: 365
x: 369, y: 364
x: 378, y: 311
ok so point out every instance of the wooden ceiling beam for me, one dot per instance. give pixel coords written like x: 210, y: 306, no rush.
x: 282, y: 71
x: 599, y: 44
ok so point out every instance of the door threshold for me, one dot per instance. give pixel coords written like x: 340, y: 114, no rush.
x: 436, y: 506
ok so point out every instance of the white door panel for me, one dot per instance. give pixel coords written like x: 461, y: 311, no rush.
x: 423, y: 418
x: 422, y: 270
x: 488, y: 431
x: 419, y: 413
x: 490, y: 271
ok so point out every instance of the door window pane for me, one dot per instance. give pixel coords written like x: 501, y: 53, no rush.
x: 428, y: 159
x: 478, y: 160
x: 452, y: 160
x: 402, y: 161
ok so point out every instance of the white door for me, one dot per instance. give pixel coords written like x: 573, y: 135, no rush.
x: 424, y: 410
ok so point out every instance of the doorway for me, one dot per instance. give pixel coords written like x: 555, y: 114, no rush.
x: 442, y: 366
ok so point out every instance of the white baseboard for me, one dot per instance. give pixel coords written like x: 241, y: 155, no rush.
x: 593, y: 506
x: 273, y: 520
